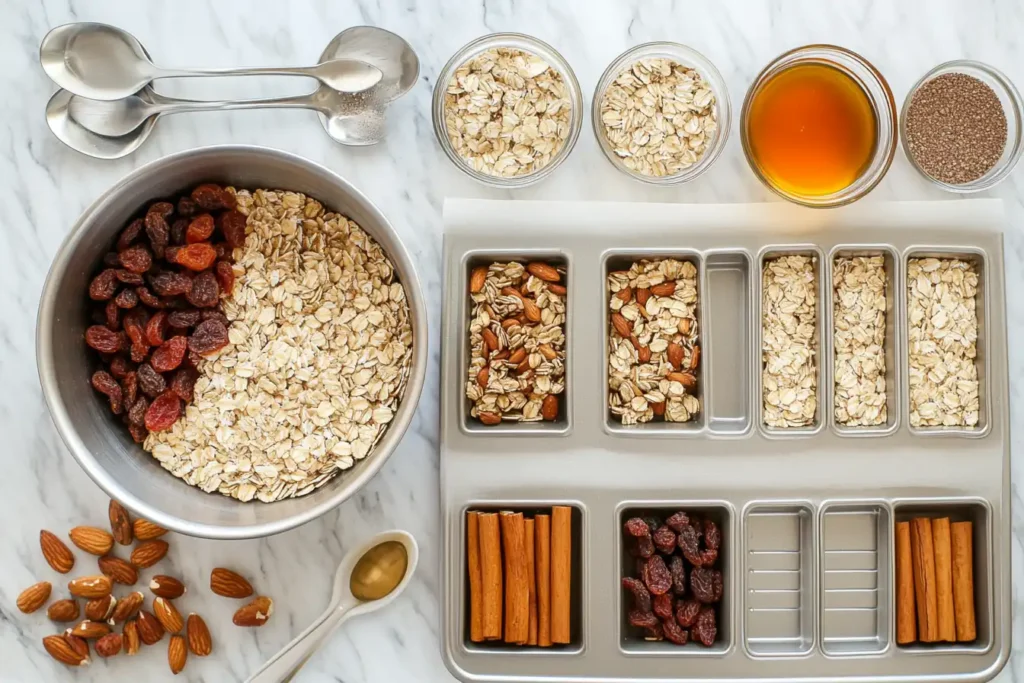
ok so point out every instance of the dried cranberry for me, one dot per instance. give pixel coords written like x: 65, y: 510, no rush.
x: 129, y: 234
x: 136, y: 259
x: 171, y: 284
x: 126, y: 298
x: 209, y: 337
x: 103, y: 339
x: 104, y: 285
x: 641, y: 596
x: 169, y: 355
x: 656, y: 575
x: 150, y: 381
x: 197, y: 257
x: 205, y: 291
x: 663, y: 605
x: 163, y: 412
x: 184, y: 319
x: 225, y: 277
x: 155, y: 328
x: 232, y: 226
x: 200, y: 229
x: 705, y: 630
x: 686, y: 612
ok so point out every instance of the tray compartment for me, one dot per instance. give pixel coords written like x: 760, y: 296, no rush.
x: 562, y: 424
x: 977, y: 512
x: 729, y: 339
x: 977, y: 258
x: 578, y: 591
x: 855, y: 578
x: 631, y: 639
x: 766, y: 255
x: 778, y: 590
x: 891, y: 341
x: 621, y: 260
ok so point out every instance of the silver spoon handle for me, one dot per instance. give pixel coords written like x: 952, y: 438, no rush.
x: 284, y: 665
x: 169, y: 105
x: 309, y: 71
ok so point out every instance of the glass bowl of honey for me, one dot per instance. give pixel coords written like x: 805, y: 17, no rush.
x: 818, y: 126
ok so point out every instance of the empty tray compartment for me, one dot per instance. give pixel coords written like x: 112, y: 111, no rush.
x: 855, y: 583
x: 778, y: 592
x: 729, y: 342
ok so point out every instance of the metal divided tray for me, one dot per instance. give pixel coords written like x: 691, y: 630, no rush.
x: 807, y: 514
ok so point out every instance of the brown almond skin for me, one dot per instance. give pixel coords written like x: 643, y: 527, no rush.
x: 684, y: 378
x: 557, y: 289
x: 199, y: 640
x: 621, y: 325
x: 168, y: 615
x: 34, y: 597
x: 63, y: 610
x: 150, y: 629
x: 56, y: 552
x: 119, y: 570
x: 120, y: 523
x: 92, y: 540
x: 109, y: 645
x: 256, y: 613
x: 694, y: 358
x: 90, y: 629
x: 79, y: 645
x: 644, y: 354
x: 177, y: 654
x: 166, y: 586
x: 61, y: 650
x: 148, y: 553
x: 624, y: 294
x: 100, y: 609
x: 477, y: 279
x: 518, y: 356
x: 664, y: 289
x: 531, y: 310
x: 490, y: 340
x: 145, y: 530
x: 481, y: 377
x: 229, y: 584
x: 675, y: 355
x: 128, y: 606
x: 658, y: 408
x: 130, y: 636
x: 642, y: 295
x: 543, y: 271
x: 489, y: 418
x: 90, y: 586
x: 549, y: 407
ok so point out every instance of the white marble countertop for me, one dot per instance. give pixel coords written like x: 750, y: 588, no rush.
x: 48, y: 185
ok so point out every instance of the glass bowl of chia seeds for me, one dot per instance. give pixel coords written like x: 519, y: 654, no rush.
x: 961, y: 126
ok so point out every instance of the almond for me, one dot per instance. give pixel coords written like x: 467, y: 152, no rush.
x: 664, y: 289
x: 56, y: 552
x: 100, y: 609
x: 79, y: 645
x: 120, y: 523
x: 490, y: 418
x: 90, y: 586
x: 34, y: 597
x: 177, y: 654
x: 500, y: 355
x: 547, y: 351
x: 199, y: 640
x: 624, y: 294
x: 90, y: 629
x: 149, y: 553
x: 511, y: 291
x: 490, y: 340
x: 508, y: 322
x: 543, y: 271
x: 229, y: 584
x: 166, y: 586
x: 92, y: 540
x: 63, y: 610
x: 694, y: 358
x: 481, y: 377
x: 658, y: 408
x: 557, y: 289
x: 128, y: 606
x: 684, y: 378
x: 168, y: 615
x: 635, y: 342
x: 684, y: 327
x: 531, y: 310
x: 109, y: 645
x: 119, y: 571
x: 256, y: 613
x: 642, y: 295
x: 130, y: 635
x: 523, y: 366
x: 622, y: 326
x: 150, y: 629
x: 476, y: 279
x: 644, y: 354
x: 517, y: 356
x: 549, y: 407
x: 61, y: 650
x: 675, y: 355
x: 145, y: 530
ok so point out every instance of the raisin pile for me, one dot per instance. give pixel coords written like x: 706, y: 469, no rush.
x: 155, y: 305
x: 677, y: 586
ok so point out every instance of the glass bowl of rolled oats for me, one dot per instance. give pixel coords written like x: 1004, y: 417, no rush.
x: 507, y: 110
x: 661, y: 113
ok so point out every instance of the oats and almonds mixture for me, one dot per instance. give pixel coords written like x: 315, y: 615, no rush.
x: 507, y: 112
x: 943, y: 335
x: 653, y: 350
x: 859, y: 339
x: 516, y: 342
x: 789, y: 310
x: 659, y: 117
x: 319, y: 355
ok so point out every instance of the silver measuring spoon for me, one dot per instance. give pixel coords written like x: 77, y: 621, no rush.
x: 368, y: 579
x: 103, y: 62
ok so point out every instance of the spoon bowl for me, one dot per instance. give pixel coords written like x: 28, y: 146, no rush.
x: 81, y: 139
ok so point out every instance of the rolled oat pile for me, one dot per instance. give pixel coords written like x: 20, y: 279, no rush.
x: 319, y: 355
x: 859, y: 339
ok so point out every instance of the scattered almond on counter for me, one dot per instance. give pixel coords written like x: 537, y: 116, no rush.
x: 256, y: 613
x: 167, y: 587
x: 130, y: 634
x: 63, y: 610
x: 145, y: 530
x: 199, y: 640
x: 34, y: 597
x: 120, y: 523
x: 149, y: 553
x: 229, y: 584
x: 168, y: 615
x: 90, y: 586
x: 119, y: 570
x: 109, y: 645
x: 92, y: 540
x: 150, y: 629
x: 177, y: 654
x: 90, y: 629
x: 61, y: 650
x: 56, y: 552
x: 100, y: 609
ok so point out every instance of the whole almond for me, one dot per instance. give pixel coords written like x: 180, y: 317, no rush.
x: 481, y: 377
x: 90, y: 586
x: 664, y: 289
x: 684, y: 327
x: 177, y: 654
x: 511, y: 291
x: 549, y: 407
x: 500, y: 355
x: 476, y: 279
x: 684, y: 378
x: 642, y: 295
x: 92, y: 539
x: 34, y: 597
x: 508, y: 322
x: 256, y: 613
x: 624, y: 294
x: 489, y: 418
x: 694, y: 358
x: 128, y: 606
x: 120, y: 523
x: 518, y: 356
x: 557, y: 289
x: 675, y: 355
x: 145, y: 530
x: 119, y: 571
x: 548, y: 352
x: 543, y: 271
x: 61, y: 650
x: 168, y: 615
x: 622, y: 326
x: 531, y: 310
x: 150, y: 629
x: 490, y: 340
x: 56, y: 552
x: 229, y: 584
x: 130, y: 636
x: 63, y: 610
x: 109, y: 645
x: 199, y: 640
x: 166, y: 586
x: 100, y: 609
x: 90, y: 629
x: 149, y: 553
x: 523, y: 366
x: 79, y: 645
x: 644, y: 354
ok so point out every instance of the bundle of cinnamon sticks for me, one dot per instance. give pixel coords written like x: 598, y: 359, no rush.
x: 934, y: 581
x: 520, y: 577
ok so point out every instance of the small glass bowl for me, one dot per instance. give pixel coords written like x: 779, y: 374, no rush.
x: 527, y: 44
x: 882, y: 103
x: 690, y: 58
x: 1009, y: 98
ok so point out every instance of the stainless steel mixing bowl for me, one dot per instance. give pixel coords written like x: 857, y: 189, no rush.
x: 98, y: 441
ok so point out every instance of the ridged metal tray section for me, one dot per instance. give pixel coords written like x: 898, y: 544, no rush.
x: 807, y: 514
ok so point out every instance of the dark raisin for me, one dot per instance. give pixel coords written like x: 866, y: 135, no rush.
x: 178, y: 229
x: 706, y: 584
x: 186, y: 207
x: 712, y: 535
x: 137, y: 413
x: 103, y: 339
x: 197, y: 257
x: 137, y: 259
x: 112, y: 259
x: 184, y: 382
x: 185, y: 319
x: 643, y: 619
x: 678, y: 571
x: 208, y: 337
x: 163, y: 412
x: 147, y: 297
x: 156, y: 328
x: 138, y: 352
x: 644, y: 547
x: 686, y: 612
x: 690, y: 545
x: 664, y: 540
x: 214, y: 314
x: 119, y: 367
x: 171, y: 284
x: 656, y: 576
x: 104, y: 285
x: 673, y: 632
x: 129, y: 278
x: 158, y: 232
x: 232, y: 226
x: 209, y: 197
x: 641, y: 596
x: 169, y: 354
x: 151, y: 382
x: 98, y: 315
x: 162, y: 209
x: 223, y: 250
x: 205, y: 291
x: 126, y: 298
x: 130, y: 388
x: 652, y: 522
x: 225, y: 277
x: 199, y: 229
x: 637, y: 528
x: 103, y: 382
x: 677, y: 521
x: 705, y: 630
x: 112, y: 315
x: 138, y: 432
x: 134, y: 326
x: 171, y: 254
x: 663, y: 605
x: 654, y: 633
x: 130, y: 234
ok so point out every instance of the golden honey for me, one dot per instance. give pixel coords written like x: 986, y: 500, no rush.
x: 811, y: 130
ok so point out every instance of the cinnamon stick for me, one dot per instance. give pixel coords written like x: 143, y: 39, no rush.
x: 531, y: 571
x: 517, y: 580
x: 943, y: 579
x: 561, y: 573
x: 906, y: 626
x: 542, y: 554
x: 963, y: 580
x: 490, y: 575
x: 476, y: 596
x: 923, y: 552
